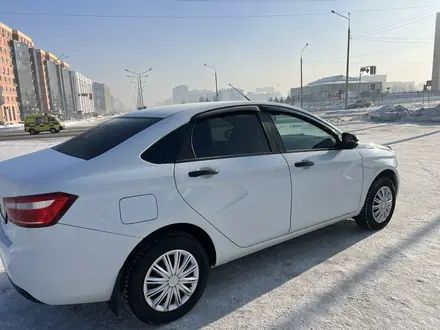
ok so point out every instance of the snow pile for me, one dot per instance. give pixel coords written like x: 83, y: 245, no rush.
x: 389, y: 113
x: 427, y: 114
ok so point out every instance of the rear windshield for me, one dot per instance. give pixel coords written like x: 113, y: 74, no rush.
x: 104, y: 137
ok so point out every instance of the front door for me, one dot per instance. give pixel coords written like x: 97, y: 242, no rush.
x: 234, y: 180
x: 326, y: 180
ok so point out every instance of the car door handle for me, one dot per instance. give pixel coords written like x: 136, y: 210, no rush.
x: 201, y: 172
x: 304, y: 163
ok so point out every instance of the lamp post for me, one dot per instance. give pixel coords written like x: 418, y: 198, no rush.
x: 139, y: 77
x: 348, y: 56
x: 301, y: 62
x: 215, y: 76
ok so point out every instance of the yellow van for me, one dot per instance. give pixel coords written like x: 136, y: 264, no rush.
x: 34, y: 124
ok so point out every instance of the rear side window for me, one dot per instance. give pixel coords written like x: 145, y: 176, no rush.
x: 165, y: 150
x: 104, y: 137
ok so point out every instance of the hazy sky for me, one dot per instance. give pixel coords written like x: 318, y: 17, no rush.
x: 248, y: 52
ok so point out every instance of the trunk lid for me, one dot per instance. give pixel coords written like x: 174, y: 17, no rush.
x: 35, y: 170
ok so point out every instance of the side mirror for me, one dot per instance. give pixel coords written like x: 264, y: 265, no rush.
x: 349, y: 141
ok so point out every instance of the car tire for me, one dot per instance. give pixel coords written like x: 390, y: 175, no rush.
x: 135, y: 288
x: 53, y: 130
x: 381, y: 194
x: 32, y: 131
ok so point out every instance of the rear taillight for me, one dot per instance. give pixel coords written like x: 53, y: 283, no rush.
x: 38, y: 210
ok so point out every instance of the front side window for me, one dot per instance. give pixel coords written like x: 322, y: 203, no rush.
x: 229, y: 135
x: 298, y: 134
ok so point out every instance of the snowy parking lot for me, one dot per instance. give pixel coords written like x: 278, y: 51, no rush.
x: 336, y: 278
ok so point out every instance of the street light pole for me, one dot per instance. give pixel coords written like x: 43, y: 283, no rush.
x: 348, y: 56
x: 301, y: 62
x: 139, y: 76
x: 215, y: 76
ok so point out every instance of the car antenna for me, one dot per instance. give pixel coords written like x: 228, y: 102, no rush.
x: 240, y: 93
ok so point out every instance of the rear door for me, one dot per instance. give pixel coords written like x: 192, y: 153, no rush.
x: 326, y: 180
x: 230, y: 172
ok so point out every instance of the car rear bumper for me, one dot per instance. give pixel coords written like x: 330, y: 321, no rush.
x: 24, y: 293
x: 63, y: 265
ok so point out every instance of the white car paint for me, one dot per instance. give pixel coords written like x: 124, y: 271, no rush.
x: 254, y: 202
x: 248, y: 201
x: 328, y: 190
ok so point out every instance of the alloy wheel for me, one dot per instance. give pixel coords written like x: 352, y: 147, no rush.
x: 171, y: 280
x: 382, y: 204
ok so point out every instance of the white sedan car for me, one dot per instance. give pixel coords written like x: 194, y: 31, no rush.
x: 145, y: 204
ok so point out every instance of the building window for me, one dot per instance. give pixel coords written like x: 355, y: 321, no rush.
x: 13, y: 112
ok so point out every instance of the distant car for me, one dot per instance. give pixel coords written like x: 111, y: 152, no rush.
x: 35, y: 124
x: 360, y: 104
x: 145, y: 204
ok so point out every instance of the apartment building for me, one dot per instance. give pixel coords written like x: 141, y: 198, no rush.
x: 24, y: 76
x: 38, y: 58
x: 66, y: 90
x: 83, y: 94
x: 53, y: 83
x: 9, y: 107
x: 101, y: 97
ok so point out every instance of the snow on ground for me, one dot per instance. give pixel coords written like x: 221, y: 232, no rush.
x: 336, y: 278
x: 11, y: 126
x: 87, y: 122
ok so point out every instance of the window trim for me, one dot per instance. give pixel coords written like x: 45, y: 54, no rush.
x: 302, y: 116
x: 187, y: 142
x: 224, y: 110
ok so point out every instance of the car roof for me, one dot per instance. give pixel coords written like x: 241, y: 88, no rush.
x: 191, y: 109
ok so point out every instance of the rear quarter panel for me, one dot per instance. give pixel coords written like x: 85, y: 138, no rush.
x: 101, y: 184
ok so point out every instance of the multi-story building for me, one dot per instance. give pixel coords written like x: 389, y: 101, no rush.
x: 66, y: 90
x: 401, y: 86
x: 436, y: 61
x: 9, y: 107
x: 83, y: 94
x: 117, y: 105
x: 21, y: 58
x: 54, y: 86
x: 38, y: 58
x: 333, y: 88
x: 196, y: 95
x: 101, y: 97
x: 268, y: 90
x: 230, y: 94
x: 180, y: 94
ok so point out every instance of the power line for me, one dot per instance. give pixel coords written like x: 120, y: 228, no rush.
x: 397, y: 38
x: 194, y: 17
x: 160, y: 17
x: 394, y: 41
x: 411, y: 69
x: 366, y: 54
x: 229, y: 1
x: 237, y: 1
x: 408, y: 21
